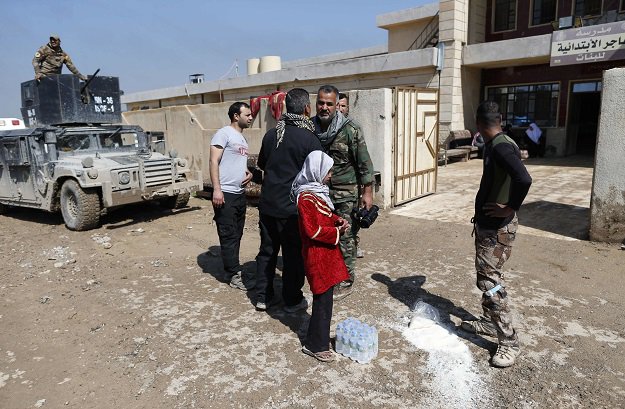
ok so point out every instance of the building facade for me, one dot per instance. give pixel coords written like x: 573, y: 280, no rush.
x: 525, y: 65
x: 470, y: 50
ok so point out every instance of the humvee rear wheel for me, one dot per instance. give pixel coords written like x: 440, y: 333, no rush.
x: 176, y: 202
x: 80, y: 207
x: 3, y: 208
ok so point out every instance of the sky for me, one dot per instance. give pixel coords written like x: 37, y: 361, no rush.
x: 157, y: 44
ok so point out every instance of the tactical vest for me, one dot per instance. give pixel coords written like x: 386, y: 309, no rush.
x: 500, y: 190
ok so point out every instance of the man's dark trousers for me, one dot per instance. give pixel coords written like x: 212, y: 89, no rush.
x: 276, y: 233
x: 230, y: 220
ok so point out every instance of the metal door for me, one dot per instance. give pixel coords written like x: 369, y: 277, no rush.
x: 16, y: 179
x: 415, y: 143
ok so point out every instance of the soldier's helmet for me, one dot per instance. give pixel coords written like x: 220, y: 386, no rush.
x: 54, y: 36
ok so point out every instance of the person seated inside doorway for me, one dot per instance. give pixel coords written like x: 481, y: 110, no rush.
x: 533, y: 140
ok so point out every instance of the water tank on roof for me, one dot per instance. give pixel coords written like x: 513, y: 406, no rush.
x: 270, y: 63
x: 252, y: 66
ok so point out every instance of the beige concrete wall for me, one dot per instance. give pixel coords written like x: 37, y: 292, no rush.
x: 477, y: 22
x: 184, y: 130
x: 451, y: 91
x: 453, y: 20
x: 422, y: 77
x: 189, y: 129
x: 607, y: 205
x: 372, y: 110
x: 211, y: 116
x: 193, y: 99
x: 149, y: 120
x: 189, y: 136
x: 471, y: 84
x: 401, y: 36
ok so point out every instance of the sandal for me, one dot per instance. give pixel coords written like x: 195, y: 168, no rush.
x: 323, y: 356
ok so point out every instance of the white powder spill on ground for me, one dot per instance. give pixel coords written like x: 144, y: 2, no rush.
x: 455, y: 380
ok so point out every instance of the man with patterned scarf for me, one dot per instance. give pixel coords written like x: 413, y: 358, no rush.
x: 283, y: 152
x: 343, y: 140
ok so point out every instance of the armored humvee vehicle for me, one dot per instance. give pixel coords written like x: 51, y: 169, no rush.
x: 82, y: 169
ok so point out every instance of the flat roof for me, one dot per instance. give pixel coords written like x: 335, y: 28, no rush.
x: 406, y: 16
x: 399, y: 61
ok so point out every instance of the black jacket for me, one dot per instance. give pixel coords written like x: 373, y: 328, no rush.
x: 504, y: 180
x: 281, y: 165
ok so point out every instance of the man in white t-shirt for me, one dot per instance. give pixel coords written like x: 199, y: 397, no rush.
x: 229, y: 175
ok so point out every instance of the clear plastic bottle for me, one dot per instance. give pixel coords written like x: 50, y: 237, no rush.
x: 361, y: 356
x: 369, y: 345
x: 353, y: 344
x: 338, y: 340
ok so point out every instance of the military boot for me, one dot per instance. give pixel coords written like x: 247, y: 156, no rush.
x: 506, y: 355
x: 481, y: 326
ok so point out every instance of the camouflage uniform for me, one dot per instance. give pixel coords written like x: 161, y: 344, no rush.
x: 492, y: 250
x: 49, y: 61
x: 352, y: 169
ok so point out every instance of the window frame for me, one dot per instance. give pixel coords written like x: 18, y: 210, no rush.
x: 598, y: 85
x: 504, y: 110
x: 19, y: 150
x: 516, y: 17
x: 531, y: 14
x: 575, y: 12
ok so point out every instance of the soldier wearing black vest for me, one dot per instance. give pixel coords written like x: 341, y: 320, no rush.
x: 504, y: 185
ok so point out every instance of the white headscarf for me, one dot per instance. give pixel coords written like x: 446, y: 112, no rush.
x: 534, y: 132
x: 310, y: 178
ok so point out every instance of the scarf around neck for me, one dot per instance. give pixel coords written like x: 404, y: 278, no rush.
x: 310, y: 178
x: 326, y: 138
x: 297, y: 120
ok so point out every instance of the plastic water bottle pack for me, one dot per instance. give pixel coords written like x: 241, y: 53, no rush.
x: 356, y: 340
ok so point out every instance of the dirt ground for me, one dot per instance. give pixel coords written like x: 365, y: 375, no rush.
x: 136, y: 314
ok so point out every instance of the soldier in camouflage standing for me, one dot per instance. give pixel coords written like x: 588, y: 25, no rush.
x: 49, y: 60
x: 343, y: 140
x: 504, y: 185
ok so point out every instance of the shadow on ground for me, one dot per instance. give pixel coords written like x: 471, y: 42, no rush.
x: 563, y: 219
x: 210, y: 263
x: 34, y: 215
x: 409, y: 290
x: 111, y: 219
x: 138, y: 213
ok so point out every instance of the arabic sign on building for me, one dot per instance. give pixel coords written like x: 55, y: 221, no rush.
x: 603, y: 42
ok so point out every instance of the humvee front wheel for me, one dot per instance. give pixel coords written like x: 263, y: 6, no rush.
x: 176, y: 202
x: 3, y: 208
x: 80, y: 207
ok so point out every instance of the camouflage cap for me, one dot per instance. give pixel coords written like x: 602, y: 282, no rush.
x: 54, y: 36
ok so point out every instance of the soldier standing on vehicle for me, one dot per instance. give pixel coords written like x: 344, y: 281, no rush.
x: 343, y: 140
x: 49, y: 60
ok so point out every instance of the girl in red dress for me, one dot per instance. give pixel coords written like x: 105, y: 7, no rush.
x: 320, y: 230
